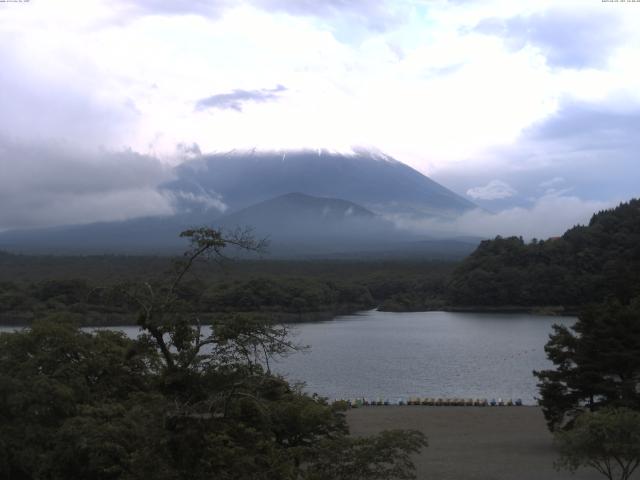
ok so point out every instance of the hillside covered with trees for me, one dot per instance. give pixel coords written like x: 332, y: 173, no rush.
x: 585, y: 265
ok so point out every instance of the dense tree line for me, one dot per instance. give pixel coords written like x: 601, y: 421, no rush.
x: 587, y: 264
x: 286, y: 294
x: 110, y: 269
x: 94, y: 304
x: 292, y: 291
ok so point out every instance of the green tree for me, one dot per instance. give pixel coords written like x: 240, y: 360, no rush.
x: 597, y: 363
x: 608, y: 440
x: 49, y: 376
x: 378, y: 458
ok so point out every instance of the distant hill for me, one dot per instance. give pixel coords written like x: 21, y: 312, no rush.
x: 148, y: 235
x: 371, y: 179
x: 586, y: 264
x: 302, y: 225
x: 296, y: 223
x: 298, y: 208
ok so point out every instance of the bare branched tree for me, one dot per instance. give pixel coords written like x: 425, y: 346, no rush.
x: 174, y: 327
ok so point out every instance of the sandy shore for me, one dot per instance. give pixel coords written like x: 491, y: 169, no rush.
x: 490, y: 443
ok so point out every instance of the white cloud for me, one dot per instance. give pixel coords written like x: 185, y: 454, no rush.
x: 552, y: 182
x: 419, y: 80
x: 207, y: 200
x: 494, y: 190
x: 64, y: 208
x: 54, y: 183
x: 550, y: 216
x: 413, y: 87
x: 555, y: 186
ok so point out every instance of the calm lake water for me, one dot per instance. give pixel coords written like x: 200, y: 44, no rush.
x: 427, y: 354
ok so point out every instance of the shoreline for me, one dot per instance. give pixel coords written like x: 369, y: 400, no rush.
x: 290, y: 318
x: 543, y: 310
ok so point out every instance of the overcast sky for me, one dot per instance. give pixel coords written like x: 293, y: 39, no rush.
x: 521, y: 106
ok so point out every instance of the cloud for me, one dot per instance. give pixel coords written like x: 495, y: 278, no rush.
x: 199, y: 200
x: 54, y: 183
x: 414, y: 79
x: 236, y: 99
x: 552, y: 182
x: 555, y: 186
x: 206, y: 8
x: 495, y: 189
x: 51, y: 98
x: 590, y: 125
x: 188, y: 151
x: 570, y: 38
x: 590, y: 149
x: 378, y: 15
x: 594, y: 147
x: 550, y: 216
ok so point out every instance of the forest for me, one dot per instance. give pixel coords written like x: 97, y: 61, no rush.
x: 585, y: 265
x: 89, y: 288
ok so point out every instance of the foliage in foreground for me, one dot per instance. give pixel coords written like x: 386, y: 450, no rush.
x: 176, y: 403
x: 608, y: 440
x: 597, y: 364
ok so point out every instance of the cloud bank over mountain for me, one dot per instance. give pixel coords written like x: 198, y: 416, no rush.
x: 52, y: 183
x: 495, y: 189
x: 548, y: 217
x: 493, y: 98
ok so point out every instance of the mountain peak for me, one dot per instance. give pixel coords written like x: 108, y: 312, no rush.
x: 371, y: 153
x: 367, y: 177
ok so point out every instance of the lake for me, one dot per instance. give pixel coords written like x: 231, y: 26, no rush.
x: 427, y: 354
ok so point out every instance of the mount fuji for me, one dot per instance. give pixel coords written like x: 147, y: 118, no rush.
x: 308, y: 202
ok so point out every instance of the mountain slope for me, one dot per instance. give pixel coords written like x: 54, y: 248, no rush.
x: 371, y: 179
x: 295, y: 212
x: 297, y: 222
x: 147, y: 235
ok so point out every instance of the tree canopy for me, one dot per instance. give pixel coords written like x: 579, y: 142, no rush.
x: 179, y: 402
x: 597, y: 363
x: 608, y: 441
x: 586, y: 264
